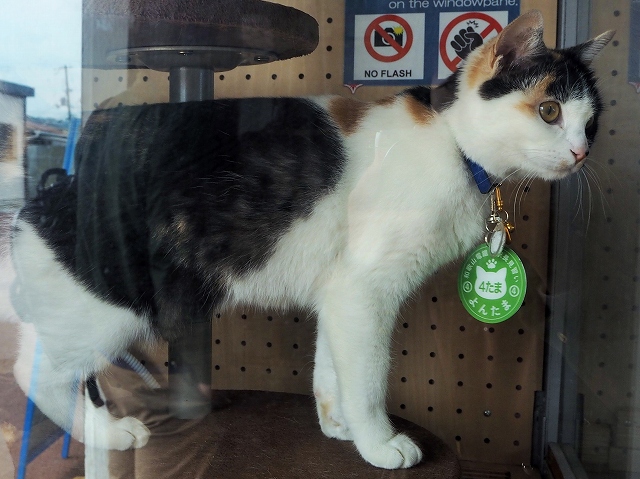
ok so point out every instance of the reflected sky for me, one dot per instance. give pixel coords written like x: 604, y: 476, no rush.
x: 38, y: 38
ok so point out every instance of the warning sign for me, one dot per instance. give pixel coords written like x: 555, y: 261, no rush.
x: 462, y: 32
x: 416, y: 42
x: 388, y: 31
x: 390, y: 47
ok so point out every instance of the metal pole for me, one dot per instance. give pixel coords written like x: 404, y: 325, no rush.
x: 190, y: 355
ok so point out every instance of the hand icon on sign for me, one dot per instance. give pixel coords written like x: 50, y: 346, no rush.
x: 466, y: 40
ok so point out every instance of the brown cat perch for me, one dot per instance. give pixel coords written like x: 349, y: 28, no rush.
x: 258, y: 434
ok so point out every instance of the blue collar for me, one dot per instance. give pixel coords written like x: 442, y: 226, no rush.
x: 481, y: 177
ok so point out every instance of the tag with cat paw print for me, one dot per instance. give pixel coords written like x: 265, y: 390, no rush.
x: 492, y: 288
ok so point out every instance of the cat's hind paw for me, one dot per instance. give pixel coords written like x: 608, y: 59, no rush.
x: 400, y: 452
x: 128, y: 433
x: 107, y: 432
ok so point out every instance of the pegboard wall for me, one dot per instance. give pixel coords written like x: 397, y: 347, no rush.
x: 609, y: 366
x: 471, y: 384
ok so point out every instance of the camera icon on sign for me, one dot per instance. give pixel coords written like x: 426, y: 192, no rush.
x: 397, y: 33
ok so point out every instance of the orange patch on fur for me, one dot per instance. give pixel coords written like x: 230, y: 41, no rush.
x: 482, y: 65
x: 535, y: 95
x: 421, y: 113
x: 347, y: 113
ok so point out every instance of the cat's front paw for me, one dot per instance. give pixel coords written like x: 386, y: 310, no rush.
x: 335, y: 429
x: 399, y: 452
x: 330, y: 418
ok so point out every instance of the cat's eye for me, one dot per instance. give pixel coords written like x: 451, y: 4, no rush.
x: 549, y: 111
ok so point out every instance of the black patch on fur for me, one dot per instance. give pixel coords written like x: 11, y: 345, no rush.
x: 438, y: 98
x: 53, y: 214
x: 572, y: 79
x: 172, y: 197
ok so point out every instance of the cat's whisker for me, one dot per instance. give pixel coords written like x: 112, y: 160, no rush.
x: 590, y: 172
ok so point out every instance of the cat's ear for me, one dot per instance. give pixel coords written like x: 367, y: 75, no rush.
x: 587, y: 51
x: 520, y: 41
x: 480, y: 272
x: 502, y: 273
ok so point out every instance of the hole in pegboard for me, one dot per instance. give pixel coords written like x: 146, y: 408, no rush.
x: 329, y: 48
x: 458, y: 411
x: 274, y: 77
x: 432, y: 354
x: 460, y: 383
x: 403, y: 406
x: 432, y: 381
x: 463, y: 329
x: 405, y: 352
x: 458, y: 438
x: 221, y: 77
x: 301, y: 76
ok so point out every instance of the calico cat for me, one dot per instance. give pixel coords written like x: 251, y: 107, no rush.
x: 326, y: 203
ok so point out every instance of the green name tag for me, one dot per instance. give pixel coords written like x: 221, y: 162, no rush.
x: 492, y: 288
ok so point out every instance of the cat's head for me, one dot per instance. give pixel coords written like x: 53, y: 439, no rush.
x: 524, y: 109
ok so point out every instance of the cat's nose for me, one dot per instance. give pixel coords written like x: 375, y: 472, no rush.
x: 580, y: 154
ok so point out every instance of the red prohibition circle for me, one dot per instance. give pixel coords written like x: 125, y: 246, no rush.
x: 452, y: 64
x: 400, y: 50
